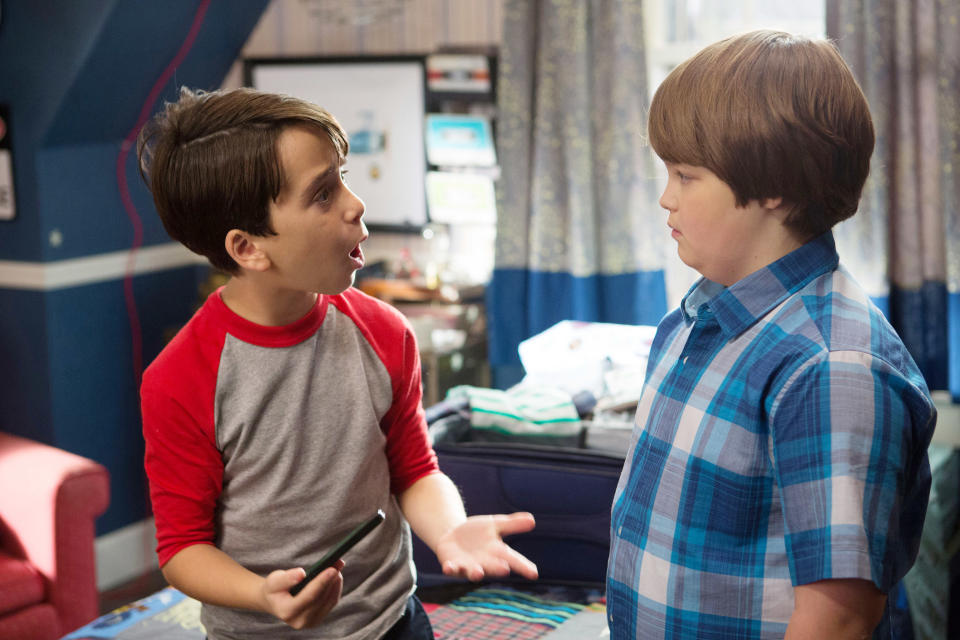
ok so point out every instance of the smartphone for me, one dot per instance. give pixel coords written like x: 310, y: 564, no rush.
x: 342, y: 547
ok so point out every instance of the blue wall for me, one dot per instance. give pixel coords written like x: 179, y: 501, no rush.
x: 75, y: 77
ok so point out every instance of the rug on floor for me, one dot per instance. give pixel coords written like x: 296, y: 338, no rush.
x: 486, y: 613
x: 494, y: 613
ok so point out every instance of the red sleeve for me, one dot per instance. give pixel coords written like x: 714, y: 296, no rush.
x: 408, y: 445
x: 182, y: 461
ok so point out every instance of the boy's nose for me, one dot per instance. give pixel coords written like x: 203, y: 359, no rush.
x: 667, y: 201
x: 356, y: 208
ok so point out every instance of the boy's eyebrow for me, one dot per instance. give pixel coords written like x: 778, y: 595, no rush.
x: 307, y: 195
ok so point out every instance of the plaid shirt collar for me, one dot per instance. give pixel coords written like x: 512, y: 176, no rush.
x: 740, y: 305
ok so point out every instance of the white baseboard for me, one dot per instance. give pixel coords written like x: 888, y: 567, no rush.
x: 125, y: 554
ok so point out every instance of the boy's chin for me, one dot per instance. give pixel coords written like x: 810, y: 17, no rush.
x: 333, y: 290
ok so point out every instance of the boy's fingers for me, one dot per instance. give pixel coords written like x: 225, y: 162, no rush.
x: 519, y: 522
x: 472, y: 572
x: 497, y: 567
x: 521, y: 564
x: 294, y: 576
x: 283, y: 579
x: 320, y: 582
x: 331, y: 590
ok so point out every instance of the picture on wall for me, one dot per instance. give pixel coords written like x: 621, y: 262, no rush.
x: 380, y: 104
x: 459, y: 140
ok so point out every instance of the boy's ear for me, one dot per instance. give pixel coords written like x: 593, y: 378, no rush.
x: 771, y: 203
x: 243, y: 248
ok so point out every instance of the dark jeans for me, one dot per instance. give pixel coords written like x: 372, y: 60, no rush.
x: 414, y: 625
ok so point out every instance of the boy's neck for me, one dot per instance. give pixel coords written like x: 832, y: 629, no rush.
x: 266, y: 306
x: 770, y: 241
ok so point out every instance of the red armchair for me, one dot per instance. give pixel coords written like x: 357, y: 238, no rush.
x: 49, y: 500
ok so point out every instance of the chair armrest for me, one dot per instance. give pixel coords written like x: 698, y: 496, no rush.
x: 49, y: 502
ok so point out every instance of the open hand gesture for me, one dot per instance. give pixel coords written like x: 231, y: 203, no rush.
x: 475, y: 549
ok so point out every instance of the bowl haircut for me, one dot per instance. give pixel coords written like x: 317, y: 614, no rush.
x: 772, y: 115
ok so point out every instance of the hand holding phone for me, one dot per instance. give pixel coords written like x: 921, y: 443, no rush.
x: 341, y: 548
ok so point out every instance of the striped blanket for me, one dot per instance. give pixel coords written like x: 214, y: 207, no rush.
x: 486, y: 613
x: 491, y: 613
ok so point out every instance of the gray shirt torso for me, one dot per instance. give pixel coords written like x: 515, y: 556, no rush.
x: 304, y: 463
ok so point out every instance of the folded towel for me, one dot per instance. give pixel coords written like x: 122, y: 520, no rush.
x: 521, y: 411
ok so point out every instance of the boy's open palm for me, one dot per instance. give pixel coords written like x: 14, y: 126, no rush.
x: 309, y: 607
x: 476, y: 549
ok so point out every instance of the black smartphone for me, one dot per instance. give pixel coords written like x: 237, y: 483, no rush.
x: 342, y: 547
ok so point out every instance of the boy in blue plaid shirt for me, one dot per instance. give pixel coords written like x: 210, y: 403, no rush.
x: 778, y: 479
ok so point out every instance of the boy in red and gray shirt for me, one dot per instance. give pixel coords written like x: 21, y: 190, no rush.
x: 289, y: 408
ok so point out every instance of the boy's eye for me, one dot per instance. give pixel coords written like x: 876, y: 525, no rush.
x: 322, y: 195
x: 684, y: 178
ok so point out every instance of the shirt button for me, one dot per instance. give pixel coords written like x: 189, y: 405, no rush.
x: 683, y: 360
x: 620, y: 530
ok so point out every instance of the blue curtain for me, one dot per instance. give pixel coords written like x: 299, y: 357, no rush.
x: 904, y: 242
x: 579, y: 233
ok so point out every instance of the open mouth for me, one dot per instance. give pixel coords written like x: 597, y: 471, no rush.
x: 357, y: 256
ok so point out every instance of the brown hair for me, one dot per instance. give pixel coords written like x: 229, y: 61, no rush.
x: 211, y: 161
x: 772, y: 115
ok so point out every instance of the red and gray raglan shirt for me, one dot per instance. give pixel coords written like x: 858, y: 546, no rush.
x: 271, y: 443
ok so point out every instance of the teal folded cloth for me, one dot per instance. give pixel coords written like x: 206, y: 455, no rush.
x: 523, y: 411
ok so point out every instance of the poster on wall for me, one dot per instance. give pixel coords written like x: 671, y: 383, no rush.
x: 8, y: 209
x: 459, y: 140
x: 380, y: 104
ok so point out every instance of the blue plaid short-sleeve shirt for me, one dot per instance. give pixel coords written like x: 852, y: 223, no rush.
x: 780, y: 440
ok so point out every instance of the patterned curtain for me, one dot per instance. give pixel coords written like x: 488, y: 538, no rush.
x: 904, y: 243
x: 579, y: 233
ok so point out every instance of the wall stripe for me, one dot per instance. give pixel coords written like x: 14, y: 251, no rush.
x: 60, y: 274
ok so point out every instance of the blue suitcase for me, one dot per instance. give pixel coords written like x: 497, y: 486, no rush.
x: 568, y: 489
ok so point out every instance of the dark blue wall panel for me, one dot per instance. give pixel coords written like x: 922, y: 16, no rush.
x: 81, y: 199
x: 43, y: 44
x: 75, y: 77
x: 24, y: 383
x: 94, y: 391
x: 138, y: 41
